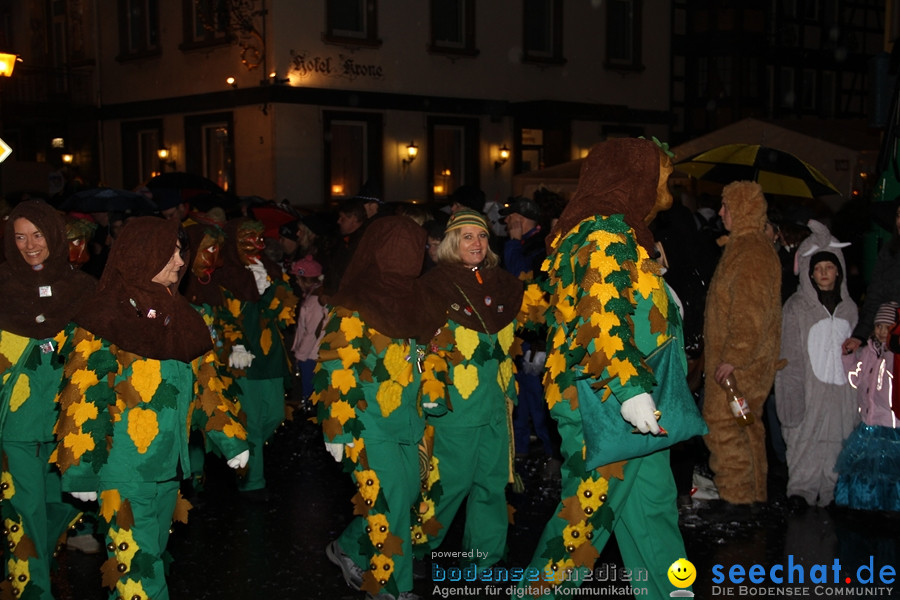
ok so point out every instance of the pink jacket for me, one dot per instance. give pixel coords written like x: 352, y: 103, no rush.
x: 310, y: 329
x: 872, y: 378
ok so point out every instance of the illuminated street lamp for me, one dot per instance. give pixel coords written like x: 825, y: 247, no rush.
x: 7, y: 64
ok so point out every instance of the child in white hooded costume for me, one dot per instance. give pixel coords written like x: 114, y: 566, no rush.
x: 815, y: 402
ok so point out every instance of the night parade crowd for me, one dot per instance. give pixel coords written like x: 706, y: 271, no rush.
x: 433, y: 347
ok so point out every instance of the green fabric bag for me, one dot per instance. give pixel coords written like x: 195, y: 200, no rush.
x: 609, y: 438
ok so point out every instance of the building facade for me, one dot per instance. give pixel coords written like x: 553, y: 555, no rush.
x: 306, y: 100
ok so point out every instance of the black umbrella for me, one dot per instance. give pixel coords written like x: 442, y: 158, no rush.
x: 108, y: 200
x: 173, y: 188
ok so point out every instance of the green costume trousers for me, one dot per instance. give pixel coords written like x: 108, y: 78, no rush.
x: 262, y: 400
x: 38, y: 512
x: 152, y: 507
x: 397, y: 468
x: 645, y: 515
x: 474, y: 466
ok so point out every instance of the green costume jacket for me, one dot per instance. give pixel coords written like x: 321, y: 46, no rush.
x: 29, y: 381
x: 258, y: 327
x: 124, y: 418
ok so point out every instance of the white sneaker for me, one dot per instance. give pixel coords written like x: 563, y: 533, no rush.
x: 85, y: 543
x: 704, y: 488
x: 353, y: 574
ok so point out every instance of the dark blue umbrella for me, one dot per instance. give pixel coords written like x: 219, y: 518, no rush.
x: 109, y: 200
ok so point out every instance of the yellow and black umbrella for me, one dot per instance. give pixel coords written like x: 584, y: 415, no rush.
x: 778, y: 172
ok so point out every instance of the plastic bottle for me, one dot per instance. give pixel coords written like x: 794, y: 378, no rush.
x: 739, y: 407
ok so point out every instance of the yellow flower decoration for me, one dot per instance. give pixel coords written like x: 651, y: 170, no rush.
x: 9, y: 489
x: 15, y: 531
x: 466, y: 341
x: 21, y: 392
x: 389, y: 396
x: 342, y: 411
x: 349, y: 356
x: 576, y: 535
x: 126, y: 547
x: 556, y: 572
x: 368, y: 483
x: 129, y: 588
x: 79, y: 443
x: 382, y: 567
x: 434, y: 473
x: 145, y: 377
x: 20, y: 574
x: 142, y: 428
x: 343, y: 380
x: 352, y: 328
x: 590, y: 492
x: 396, y: 364
x: 465, y: 378
x: 84, y: 379
x: 505, y: 337
x: 378, y: 528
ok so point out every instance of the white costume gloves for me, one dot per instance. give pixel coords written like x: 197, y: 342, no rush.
x: 261, y: 277
x: 639, y: 412
x: 240, y: 358
x: 336, y: 450
x: 239, y: 461
x: 84, y: 496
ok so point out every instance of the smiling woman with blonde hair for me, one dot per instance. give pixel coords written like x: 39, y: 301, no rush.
x: 472, y: 453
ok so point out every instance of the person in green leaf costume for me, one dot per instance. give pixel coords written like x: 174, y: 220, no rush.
x: 140, y: 374
x: 366, y: 388
x: 472, y: 453
x: 206, y: 242
x: 259, y: 305
x: 609, y: 309
x: 41, y: 294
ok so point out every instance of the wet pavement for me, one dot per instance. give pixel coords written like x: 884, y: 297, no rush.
x: 235, y: 549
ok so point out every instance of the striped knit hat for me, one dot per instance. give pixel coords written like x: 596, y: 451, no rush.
x: 887, y: 313
x: 461, y: 218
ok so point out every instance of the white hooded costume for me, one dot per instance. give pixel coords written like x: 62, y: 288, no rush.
x: 814, y: 400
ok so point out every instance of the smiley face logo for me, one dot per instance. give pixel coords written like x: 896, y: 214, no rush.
x: 682, y: 573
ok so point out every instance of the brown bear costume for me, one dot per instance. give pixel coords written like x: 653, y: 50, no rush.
x: 742, y: 328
